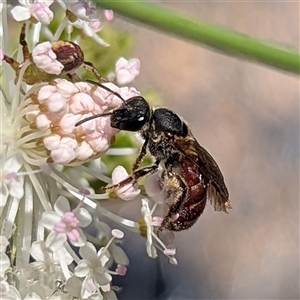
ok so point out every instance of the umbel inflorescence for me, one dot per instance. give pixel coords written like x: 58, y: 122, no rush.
x: 48, y: 210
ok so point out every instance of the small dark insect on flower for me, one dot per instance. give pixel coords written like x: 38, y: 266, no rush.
x: 68, y: 54
x: 190, y: 173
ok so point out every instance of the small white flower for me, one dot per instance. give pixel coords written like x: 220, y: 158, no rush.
x: 11, y: 182
x: 127, y: 192
x: 90, y: 28
x: 66, y: 221
x: 37, y: 9
x: 94, y: 262
x: 150, y: 223
x: 48, y: 256
x: 127, y: 70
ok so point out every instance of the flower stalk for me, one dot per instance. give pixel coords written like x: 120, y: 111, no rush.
x: 215, y: 37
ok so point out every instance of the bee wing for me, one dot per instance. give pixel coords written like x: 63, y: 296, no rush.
x: 217, y: 190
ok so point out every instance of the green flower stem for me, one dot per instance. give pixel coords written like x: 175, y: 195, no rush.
x: 218, y: 38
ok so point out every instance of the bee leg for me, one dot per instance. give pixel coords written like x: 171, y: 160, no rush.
x: 23, y: 43
x: 142, y: 154
x: 177, y: 184
x: 13, y: 63
x: 90, y: 67
x: 133, y: 178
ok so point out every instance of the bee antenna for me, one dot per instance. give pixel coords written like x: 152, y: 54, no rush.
x: 92, y: 117
x: 106, y: 88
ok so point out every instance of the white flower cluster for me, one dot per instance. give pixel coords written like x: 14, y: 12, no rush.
x: 48, y: 211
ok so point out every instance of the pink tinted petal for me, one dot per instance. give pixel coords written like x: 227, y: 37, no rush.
x: 62, y: 205
x: 86, y: 128
x: 42, y: 122
x: 66, y: 88
x: 83, y: 87
x: 68, y: 121
x: 84, y: 151
x: 98, y: 143
x: 41, y: 12
x: 124, y: 77
x: 127, y: 192
x: 1, y: 54
x: 121, y: 270
x: 45, y: 59
x: 109, y: 14
x: 121, y: 64
x: 118, y: 174
x: 134, y: 65
x: 81, y: 103
x: 56, y: 103
x: 45, y: 92
x: 95, y: 25
x: 63, y: 154
x: 104, y: 97
x: 51, y: 141
x: 127, y: 70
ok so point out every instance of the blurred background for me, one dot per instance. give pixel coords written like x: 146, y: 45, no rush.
x: 247, y: 116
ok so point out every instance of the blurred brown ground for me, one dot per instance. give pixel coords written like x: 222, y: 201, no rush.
x: 247, y: 116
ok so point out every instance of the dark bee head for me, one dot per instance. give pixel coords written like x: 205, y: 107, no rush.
x: 132, y: 115
x: 165, y: 120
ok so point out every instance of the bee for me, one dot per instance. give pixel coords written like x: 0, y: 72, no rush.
x: 190, y: 174
x: 67, y: 53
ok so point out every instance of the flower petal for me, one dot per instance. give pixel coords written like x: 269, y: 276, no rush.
x: 20, y: 13
x: 88, y: 252
x: 13, y: 163
x: 83, y: 216
x: 81, y: 240
x: 103, y: 278
x: 118, y: 254
x: 49, y: 219
x: 62, y: 205
x: 55, y: 240
x: 82, y: 269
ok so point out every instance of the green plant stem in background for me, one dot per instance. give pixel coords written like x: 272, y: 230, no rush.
x: 216, y: 37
